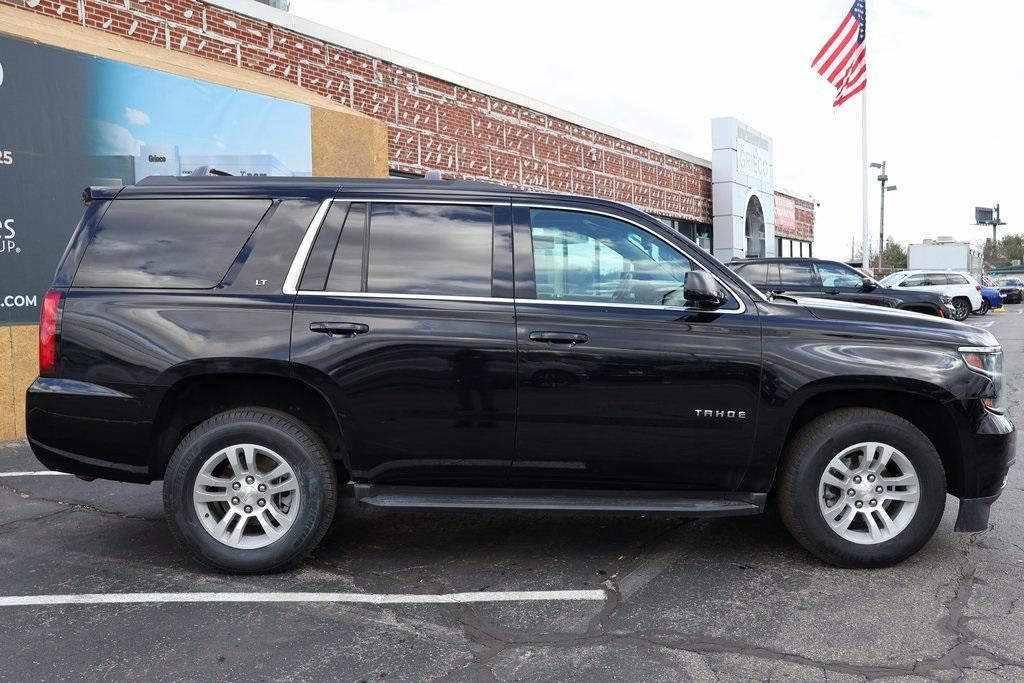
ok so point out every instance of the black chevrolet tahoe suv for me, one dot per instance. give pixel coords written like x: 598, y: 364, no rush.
x: 258, y: 343
x: 817, y: 278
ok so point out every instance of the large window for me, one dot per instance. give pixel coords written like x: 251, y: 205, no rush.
x: 436, y: 249
x: 787, y: 247
x: 587, y: 257
x: 173, y: 243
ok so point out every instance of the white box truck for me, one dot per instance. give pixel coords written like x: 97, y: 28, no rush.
x: 943, y: 253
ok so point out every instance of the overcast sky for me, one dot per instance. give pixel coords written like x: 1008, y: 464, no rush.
x: 944, y: 89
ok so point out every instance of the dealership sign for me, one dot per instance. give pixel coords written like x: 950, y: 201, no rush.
x: 742, y: 190
x: 102, y: 122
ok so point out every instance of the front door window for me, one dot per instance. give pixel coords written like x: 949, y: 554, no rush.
x: 597, y: 259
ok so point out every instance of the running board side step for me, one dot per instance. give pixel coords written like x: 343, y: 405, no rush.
x: 696, y: 504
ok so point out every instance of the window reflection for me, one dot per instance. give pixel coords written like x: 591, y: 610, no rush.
x: 430, y: 249
x: 586, y: 257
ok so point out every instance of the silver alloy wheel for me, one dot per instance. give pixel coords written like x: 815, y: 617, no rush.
x: 246, y: 496
x: 962, y: 307
x: 869, y: 493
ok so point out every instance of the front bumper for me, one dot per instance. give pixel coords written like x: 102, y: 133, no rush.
x: 989, y: 453
x: 974, y: 513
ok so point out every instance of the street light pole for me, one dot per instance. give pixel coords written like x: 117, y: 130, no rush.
x: 882, y: 179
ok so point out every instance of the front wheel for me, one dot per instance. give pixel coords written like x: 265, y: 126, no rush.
x: 961, y: 308
x: 860, y: 487
x: 250, y: 490
x: 984, y: 308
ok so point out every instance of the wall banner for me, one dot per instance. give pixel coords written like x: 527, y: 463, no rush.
x: 69, y: 120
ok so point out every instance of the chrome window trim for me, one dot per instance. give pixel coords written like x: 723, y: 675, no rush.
x: 560, y: 207
x: 429, y: 297
x: 291, y: 281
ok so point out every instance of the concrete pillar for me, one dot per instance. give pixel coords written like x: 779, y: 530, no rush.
x: 741, y: 167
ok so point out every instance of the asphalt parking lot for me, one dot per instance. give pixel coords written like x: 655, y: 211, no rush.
x: 644, y: 598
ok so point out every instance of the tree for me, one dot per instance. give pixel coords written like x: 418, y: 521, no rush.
x: 894, y: 256
x: 1008, y: 250
x: 1012, y: 247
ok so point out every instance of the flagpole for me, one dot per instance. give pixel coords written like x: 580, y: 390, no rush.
x: 866, y: 237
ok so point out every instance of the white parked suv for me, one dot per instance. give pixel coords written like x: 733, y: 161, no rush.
x: 961, y: 287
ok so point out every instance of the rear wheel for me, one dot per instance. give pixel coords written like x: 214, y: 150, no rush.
x: 250, y: 490
x: 962, y: 308
x: 984, y: 308
x: 860, y: 487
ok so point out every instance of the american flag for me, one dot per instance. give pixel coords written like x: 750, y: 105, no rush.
x: 843, y: 59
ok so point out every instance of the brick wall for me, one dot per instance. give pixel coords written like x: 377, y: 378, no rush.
x: 432, y: 124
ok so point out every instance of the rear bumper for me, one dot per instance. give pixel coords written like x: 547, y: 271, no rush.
x: 82, y: 465
x: 88, y: 429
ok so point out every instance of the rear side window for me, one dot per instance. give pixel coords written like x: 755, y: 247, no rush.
x: 797, y: 274
x: 437, y: 249
x: 754, y: 273
x: 172, y: 243
x: 955, y: 279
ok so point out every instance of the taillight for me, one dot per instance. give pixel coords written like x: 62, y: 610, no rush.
x: 49, y: 329
x: 977, y: 287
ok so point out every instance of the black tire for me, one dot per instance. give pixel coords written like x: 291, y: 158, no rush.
x: 961, y: 308
x: 984, y: 308
x: 296, y: 444
x: 809, y: 453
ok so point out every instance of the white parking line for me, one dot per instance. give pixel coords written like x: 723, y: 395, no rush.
x: 361, y: 598
x: 41, y: 473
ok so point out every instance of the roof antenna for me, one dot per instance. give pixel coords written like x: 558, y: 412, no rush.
x: 209, y: 170
x: 432, y: 174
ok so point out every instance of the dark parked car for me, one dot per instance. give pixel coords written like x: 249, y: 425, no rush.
x: 808, y: 277
x: 256, y: 343
x: 1011, y: 289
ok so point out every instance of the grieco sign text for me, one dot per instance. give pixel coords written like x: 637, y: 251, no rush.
x: 753, y: 160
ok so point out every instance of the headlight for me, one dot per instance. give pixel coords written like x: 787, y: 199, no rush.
x: 946, y: 299
x: 988, y: 361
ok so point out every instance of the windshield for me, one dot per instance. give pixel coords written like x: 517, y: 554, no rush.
x: 891, y: 279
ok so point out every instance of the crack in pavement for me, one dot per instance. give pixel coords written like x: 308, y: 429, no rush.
x: 75, y: 505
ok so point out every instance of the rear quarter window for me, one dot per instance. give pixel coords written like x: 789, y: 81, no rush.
x: 168, y: 243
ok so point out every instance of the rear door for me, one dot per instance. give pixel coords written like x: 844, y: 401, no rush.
x: 404, y: 318
x: 622, y: 384
x: 794, y: 277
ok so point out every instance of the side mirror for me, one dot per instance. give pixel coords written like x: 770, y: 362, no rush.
x: 868, y: 284
x: 703, y: 289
